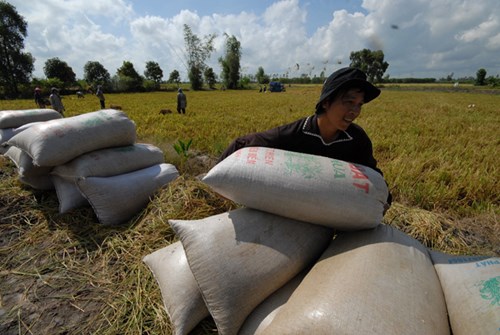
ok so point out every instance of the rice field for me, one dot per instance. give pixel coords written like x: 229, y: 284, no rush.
x: 64, y: 273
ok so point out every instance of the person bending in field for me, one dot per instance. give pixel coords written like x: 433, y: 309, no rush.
x: 330, y: 131
x: 55, y: 101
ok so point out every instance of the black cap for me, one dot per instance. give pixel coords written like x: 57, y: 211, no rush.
x: 346, y: 77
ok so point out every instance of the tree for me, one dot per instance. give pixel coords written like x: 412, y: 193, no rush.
x: 481, y: 77
x: 197, y: 52
x: 175, y: 77
x: 370, y: 62
x: 231, y: 62
x: 261, y: 76
x: 153, y: 72
x: 493, y: 81
x: 95, y: 74
x: 195, y: 77
x: 210, y: 77
x: 129, y: 79
x: 16, y: 66
x: 56, y: 68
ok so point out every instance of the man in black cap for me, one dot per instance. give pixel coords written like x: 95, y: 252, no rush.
x: 330, y: 132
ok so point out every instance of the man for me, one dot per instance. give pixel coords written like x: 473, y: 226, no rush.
x: 100, y: 95
x: 181, y: 102
x: 331, y: 131
x: 38, y: 98
x: 55, y: 101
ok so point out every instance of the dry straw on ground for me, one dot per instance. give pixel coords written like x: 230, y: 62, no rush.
x: 66, y: 272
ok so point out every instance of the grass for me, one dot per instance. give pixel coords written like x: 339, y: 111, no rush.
x: 65, y: 273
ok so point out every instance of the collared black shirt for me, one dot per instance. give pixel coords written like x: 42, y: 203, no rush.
x: 352, y: 145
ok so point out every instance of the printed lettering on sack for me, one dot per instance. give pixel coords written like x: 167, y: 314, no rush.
x: 488, y: 262
x: 307, y: 166
x: 338, y: 169
x: 490, y: 290
x: 465, y: 259
x: 269, y: 157
x: 252, y: 155
x: 93, y: 121
x: 357, y: 174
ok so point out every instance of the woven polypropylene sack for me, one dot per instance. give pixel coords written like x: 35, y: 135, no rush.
x: 35, y: 176
x: 304, y: 187
x: 56, y: 142
x: 7, y: 133
x: 100, y: 163
x: 118, y: 198
x: 263, y: 315
x: 17, y: 118
x: 240, y: 257
x: 471, y: 286
x: 377, y: 281
x: 180, y: 293
x: 68, y: 194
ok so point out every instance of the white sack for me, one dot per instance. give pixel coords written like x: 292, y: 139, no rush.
x: 377, y: 281
x: 68, y: 194
x: 29, y: 174
x: 56, y: 142
x: 471, y: 286
x: 118, y: 198
x: 7, y: 133
x: 179, y: 290
x: 263, y: 315
x: 16, y: 118
x: 304, y: 187
x: 241, y: 257
x: 100, y: 163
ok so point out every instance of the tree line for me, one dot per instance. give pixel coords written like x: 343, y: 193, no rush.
x: 17, y: 67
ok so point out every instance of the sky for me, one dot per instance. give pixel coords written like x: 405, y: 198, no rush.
x: 419, y: 38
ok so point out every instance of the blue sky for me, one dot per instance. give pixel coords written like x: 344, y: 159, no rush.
x: 419, y: 38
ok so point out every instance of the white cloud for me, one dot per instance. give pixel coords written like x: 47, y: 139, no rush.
x: 421, y: 38
x: 483, y: 30
x: 494, y: 42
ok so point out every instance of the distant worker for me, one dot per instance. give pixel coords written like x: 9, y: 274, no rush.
x: 55, y: 100
x: 38, y: 98
x: 100, y: 95
x: 181, y: 102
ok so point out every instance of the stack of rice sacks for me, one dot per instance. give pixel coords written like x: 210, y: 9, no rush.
x: 13, y: 122
x: 91, y: 159
x: 307, y: 254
